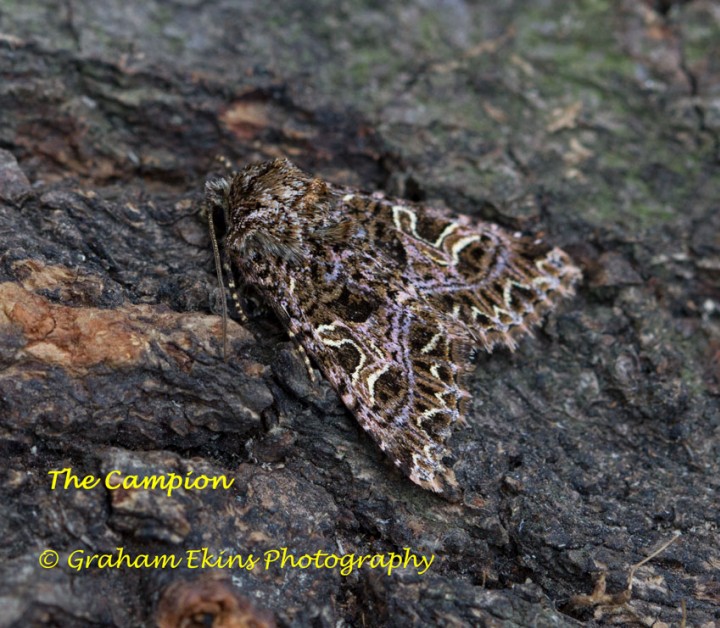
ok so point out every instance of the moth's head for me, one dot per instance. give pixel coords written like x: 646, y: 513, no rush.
x: 272, y: 210
x: 216, y: 193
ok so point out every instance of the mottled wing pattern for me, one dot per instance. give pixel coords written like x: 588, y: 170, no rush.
x: 496, y: 284
x: 388, y: 298
x: 399, y: 371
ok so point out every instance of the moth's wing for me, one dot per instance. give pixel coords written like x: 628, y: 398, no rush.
x: 497, y: 284
x: 397, y: 339
x: 400, y: 371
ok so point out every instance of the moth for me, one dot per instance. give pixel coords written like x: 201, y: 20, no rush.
x: 389, y: 298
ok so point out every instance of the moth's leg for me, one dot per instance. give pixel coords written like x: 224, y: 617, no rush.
x: 235, y: 294
x: 306, y: 358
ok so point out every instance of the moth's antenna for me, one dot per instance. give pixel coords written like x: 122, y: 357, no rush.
x: 213, y: 185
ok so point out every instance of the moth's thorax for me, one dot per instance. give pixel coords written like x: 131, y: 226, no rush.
x: 277, y: 212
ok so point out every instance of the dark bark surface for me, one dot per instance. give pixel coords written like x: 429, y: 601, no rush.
x: 596, y: 124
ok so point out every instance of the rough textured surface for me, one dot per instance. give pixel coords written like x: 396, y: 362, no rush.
x: 595, y: 123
